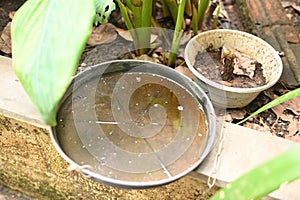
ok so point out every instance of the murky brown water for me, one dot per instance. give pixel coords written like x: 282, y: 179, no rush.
x: 135, y: 127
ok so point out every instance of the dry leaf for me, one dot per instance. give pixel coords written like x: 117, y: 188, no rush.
x: 294, y: 126
x: 186, y: 36
x: 257, y: 127
x: 243, y: 64
x: 278, y: 110
x: 293, y: 105
x: 5, y: 40
x: 12, y: 14
x: 105, y: 33
x: 185, y: 71
x: 295, y: 138
x: 147, y: 58
x: 127, y: 36
x: 237, y: 113
x: 296, y: 7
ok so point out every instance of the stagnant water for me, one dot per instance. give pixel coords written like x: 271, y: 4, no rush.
x: 132, y: 126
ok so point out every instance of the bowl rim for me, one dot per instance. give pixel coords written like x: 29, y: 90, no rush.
x: 224, y: 87
x: 209, y: 142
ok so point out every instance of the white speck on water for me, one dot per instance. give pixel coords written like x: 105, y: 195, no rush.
x: 138, y: 79
x: 180, y: 108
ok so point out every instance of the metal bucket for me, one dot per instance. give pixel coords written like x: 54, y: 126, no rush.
x: 134, y: 124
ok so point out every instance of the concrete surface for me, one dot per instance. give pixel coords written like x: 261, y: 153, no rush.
x: 243, y: 148
x: 266, y: 19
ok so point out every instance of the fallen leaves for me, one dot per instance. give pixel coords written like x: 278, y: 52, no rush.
x: 5, y: 36
x: 282, y: 120
x: 242, y: 63
x: 5, y: 40
x: 105, y: 33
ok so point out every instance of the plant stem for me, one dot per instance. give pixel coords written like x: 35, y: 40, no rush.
x: 128, y: 23
x: 202, y: 7
x: 135, y: 7
x: 216, y: 20
x: 165, y: 8
x: 145, y: 32
x: 194, y: 20
x: 177, y: 34
x: 188, y: 8
x: 173, y: 8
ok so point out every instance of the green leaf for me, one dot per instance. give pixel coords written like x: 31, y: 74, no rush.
x: 103, y: 10
x: 275, y: 102
x: 48, y: 37
x: 264, y: 179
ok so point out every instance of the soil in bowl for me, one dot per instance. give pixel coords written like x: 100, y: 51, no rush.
x: 230, y: 67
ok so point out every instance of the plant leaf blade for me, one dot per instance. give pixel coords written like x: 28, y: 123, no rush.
x: 275, y: 102
x: 48, y: 37
x: 265, y: 178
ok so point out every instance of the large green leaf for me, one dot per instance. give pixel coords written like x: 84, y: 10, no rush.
x: 264, y: 179
x: 48, y: 37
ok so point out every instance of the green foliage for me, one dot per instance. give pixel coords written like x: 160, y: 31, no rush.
x: 202, y: 8
x: 48, y: 37
x: 137, y: 15
x: 103, y: 10
x: 275, y: 102
x: 269, y: 176
x: 264, y: 179
x: 178, y: 33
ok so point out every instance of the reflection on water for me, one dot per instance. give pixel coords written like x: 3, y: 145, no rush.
x: 132, y: 126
